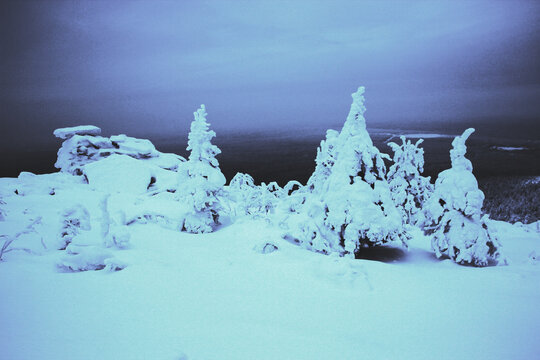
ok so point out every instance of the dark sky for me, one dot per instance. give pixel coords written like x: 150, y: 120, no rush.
x: 143, y: 67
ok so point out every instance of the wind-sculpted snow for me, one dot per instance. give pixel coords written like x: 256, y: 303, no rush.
x: 82, y: 146
x: 66, y: 133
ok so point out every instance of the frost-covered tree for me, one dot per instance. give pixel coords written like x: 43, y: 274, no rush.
x: 350, y: 205
x: 200, y: 180
x: 324, y: 161
x: 409, y: 188
x: 255, y: 200
x: 458, y: 228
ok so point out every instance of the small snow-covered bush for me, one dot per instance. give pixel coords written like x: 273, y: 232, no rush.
x: 87, y: 258
x: 6, y: 241
x: 257, y: 200
x: 458, y: 228
x: 74, y: 219
x: 409, y: 188
x: 200, y: 180
x: 349, y: 205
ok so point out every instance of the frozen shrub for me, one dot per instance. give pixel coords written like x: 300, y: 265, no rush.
x: 254, y: 200
x: 2, y: 212
x: 349, y: 205
x: 200, y: 180
x: 409, y: 188
x: 74, y: 219
x: 7, y: 240
x: 454, y: 211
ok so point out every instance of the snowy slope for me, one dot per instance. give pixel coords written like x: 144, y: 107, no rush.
x: 216, y: 296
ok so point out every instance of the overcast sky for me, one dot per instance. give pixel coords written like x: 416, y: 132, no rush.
x: 144, y: 67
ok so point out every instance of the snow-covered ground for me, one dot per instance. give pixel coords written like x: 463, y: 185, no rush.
x: 220, y: 296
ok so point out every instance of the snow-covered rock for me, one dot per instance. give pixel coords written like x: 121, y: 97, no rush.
x: 83, y: 146
x: 66, y: 133
x: 119, y: 173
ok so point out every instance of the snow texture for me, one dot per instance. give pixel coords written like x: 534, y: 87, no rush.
x: 119, y: 173
x: 458, y: 228
x: 66, y: 133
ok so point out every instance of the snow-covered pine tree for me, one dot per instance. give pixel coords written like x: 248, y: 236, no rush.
x: 200, y: 179
x: 409, y: 188
x: 324, y: 161
x: 350, y: 205
x: 458, y: 227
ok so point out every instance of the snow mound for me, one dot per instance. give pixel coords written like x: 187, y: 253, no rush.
x: 66, y: 133
x: 82, y: 147
x: 119, y: 173
x: 85, y: 258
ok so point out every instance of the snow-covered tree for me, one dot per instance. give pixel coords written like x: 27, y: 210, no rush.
x: 409, y: 188
x: 255, y: 200
x: 457, y: 225
x: 200, y: 180
x: 324, y: 161
x: 350, y: 205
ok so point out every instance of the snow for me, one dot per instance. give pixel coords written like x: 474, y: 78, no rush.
x: 119, y: 173
x: 66, y: 133
x: 100, y: 269
x: 84, y: 147
x: 214, y: 296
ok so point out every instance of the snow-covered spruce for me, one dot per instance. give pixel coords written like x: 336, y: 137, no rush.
x: 200, y: 180
x: 458, y: 228
x: 349, y: 205
x: 409, y: 188
x: 326, y: 157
